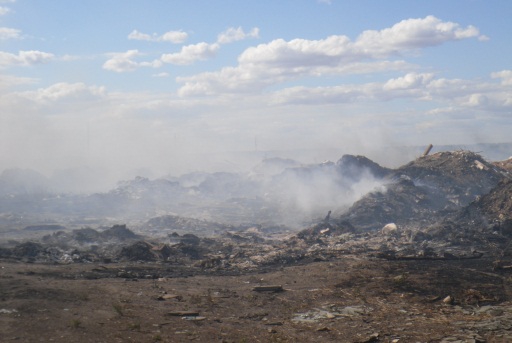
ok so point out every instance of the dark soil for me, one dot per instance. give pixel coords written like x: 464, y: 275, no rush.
x: 345, y: 300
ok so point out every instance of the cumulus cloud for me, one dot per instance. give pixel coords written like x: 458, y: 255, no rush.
x: 187, y: 55
x: 402, y: 37
x: 505, y: 76
x: 124, y: 62
x: 191, y: 53
x: 203, y: 51
x: 411, y: 80
x: 24, y: 58
x: 170, y: 36
x: 235, y: 34
x: 281, y: 60
x: 9, y: 33
x: 412, y: 34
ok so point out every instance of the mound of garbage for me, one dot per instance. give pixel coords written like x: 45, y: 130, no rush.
x: 441, y: 206
x: 490, y: 212
x: 424, y: 191
x: 505, y: 165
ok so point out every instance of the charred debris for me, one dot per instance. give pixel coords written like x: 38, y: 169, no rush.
x: 440, y: 206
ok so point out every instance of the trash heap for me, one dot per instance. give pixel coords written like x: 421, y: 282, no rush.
x: 424, y: 191
x: 447, y: 205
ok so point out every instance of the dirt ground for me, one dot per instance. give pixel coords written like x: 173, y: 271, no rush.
x: 349, y: 299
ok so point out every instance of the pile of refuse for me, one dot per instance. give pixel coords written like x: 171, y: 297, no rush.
x: 441, y: 206
x: 424, y: 191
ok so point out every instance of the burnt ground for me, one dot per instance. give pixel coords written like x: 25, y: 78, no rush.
x: 426, y: 259
x: 349, y: 299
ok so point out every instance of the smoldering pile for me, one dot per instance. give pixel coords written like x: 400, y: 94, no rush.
x: 439, y: 206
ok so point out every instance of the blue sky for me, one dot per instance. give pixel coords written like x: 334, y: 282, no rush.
x: 148, y: 84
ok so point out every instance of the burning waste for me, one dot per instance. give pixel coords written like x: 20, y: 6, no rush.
x: 439, y: 228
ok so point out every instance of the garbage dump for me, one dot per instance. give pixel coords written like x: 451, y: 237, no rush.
x: 431, y: 243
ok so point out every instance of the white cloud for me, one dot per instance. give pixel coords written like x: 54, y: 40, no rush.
x: 251, y: 79
x: 187, y: 55
x: 4, y: 10
x: 67, y: 91
x: 24, y: 58
x: 170, y: 36
x: 124, y: 62
x: 232, y: 35
x: 7, y: 81
x: 34, y: 57
x: 61, y: 96
x: 411, y: 80
x: 174, y: 36
x: 9, y: 33
x: 412, y: 34
x: 191, y: 53
x: 404, y: 36
x: 281, y: 60
x: 136, y: 35
x: 505, y: 76
x: 451, y: 93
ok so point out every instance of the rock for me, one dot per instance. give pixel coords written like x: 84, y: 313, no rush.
x: 448, y: 300
x: 373, y: 338
x: 389, y: 229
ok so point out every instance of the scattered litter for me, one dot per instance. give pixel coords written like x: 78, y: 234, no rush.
x: 272, y: 288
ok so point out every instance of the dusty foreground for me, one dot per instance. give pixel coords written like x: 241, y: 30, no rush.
x: 344, y: 300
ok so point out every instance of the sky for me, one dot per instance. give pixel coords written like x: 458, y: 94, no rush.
x: 161, y: 85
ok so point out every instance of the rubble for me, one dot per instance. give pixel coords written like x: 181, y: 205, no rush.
x: 268, y: 288
x: 139, y: 251
x: 505, y: 165
x: 425, y: 190
x: 437, y: 235
x: 184, y: 313
x: 119, y: 232
x: 354, y: 167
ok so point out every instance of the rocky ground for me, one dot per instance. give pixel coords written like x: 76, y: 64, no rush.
x: 426, y: 257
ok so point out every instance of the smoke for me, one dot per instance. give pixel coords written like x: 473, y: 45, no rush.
x: 308, y: 192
